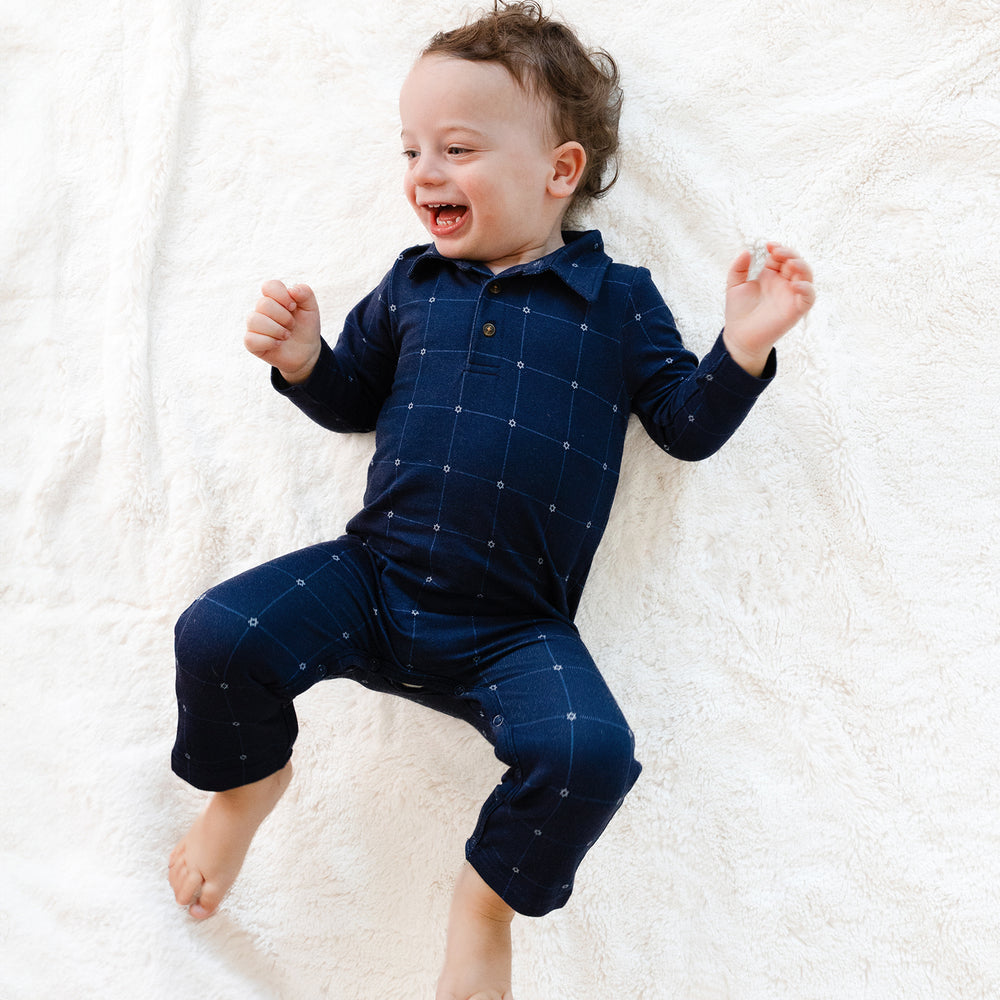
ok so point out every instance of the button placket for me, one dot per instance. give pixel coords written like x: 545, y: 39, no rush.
x: 486, y: 333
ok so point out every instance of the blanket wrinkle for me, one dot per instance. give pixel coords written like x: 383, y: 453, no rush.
x: 155, y: 84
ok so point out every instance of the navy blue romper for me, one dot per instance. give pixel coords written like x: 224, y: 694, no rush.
x: 500, y: 405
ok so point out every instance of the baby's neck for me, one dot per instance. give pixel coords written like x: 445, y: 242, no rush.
x: 528, y: 254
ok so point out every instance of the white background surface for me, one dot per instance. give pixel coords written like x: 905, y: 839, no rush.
x: 802, y: 630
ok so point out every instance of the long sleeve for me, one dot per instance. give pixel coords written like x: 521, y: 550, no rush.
x: 350, y: 382
x: 689, y: 409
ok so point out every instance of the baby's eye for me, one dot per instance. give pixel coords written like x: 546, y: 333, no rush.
x: 457, y: 150
x: 410, y: 154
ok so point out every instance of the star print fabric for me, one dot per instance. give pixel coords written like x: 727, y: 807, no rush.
x: 249, y: 646
x: 500, y: 405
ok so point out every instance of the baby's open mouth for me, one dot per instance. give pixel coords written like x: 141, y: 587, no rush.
x: 446, y: 218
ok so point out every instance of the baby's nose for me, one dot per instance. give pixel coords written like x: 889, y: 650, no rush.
x: 428, y: 170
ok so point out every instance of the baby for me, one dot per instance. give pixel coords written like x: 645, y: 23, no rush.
x: 498, y: 366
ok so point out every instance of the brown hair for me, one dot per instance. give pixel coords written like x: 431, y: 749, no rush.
x: 546, y: 57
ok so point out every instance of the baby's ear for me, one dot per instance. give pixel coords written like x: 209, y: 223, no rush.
x: 568, y: 164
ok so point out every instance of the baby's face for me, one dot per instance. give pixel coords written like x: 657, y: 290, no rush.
x: 479, y: 162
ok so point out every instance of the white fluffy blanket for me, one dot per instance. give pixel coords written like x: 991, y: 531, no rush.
x: 803, y: 630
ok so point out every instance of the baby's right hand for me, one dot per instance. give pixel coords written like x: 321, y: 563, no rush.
x: 283, y: 330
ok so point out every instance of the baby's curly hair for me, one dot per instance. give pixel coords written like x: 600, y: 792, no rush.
x: 546, y: 57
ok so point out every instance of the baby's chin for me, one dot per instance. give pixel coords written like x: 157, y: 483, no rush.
x: 450, y: 251
x: 453, y: 248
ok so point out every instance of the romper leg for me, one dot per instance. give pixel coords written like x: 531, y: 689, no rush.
x: 571, y: 762
x: 245, y: 648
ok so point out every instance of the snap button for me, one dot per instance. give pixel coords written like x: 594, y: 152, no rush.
x: 495, y: 289
x: 497, y: 720
x: 489, y: 329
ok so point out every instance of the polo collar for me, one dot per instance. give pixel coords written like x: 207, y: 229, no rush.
x: 581, y: 263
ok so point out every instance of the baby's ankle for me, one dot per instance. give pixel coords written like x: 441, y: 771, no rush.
x: 474, y: 896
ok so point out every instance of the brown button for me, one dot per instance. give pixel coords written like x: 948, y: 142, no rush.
x: 495, y: 289
x: 489, y: 329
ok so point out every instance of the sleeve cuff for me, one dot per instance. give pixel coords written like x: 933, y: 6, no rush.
x: 719, y: 364
x: 287, y: 388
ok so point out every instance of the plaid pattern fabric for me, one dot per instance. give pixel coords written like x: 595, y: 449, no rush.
x: 500, y: 405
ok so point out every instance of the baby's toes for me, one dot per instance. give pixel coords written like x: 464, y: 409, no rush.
x: 207, y: 902
x: 186, y: 883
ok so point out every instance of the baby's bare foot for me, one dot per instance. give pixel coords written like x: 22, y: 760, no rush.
x: 477, y: 963
x: 207, y: 860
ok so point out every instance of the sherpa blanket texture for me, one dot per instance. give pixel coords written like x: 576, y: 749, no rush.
x: 803, y: 630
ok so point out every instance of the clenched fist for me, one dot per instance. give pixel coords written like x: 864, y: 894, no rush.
x: 283, y: 330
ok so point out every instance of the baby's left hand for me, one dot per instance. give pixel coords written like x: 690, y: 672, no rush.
x: 760, y: 312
